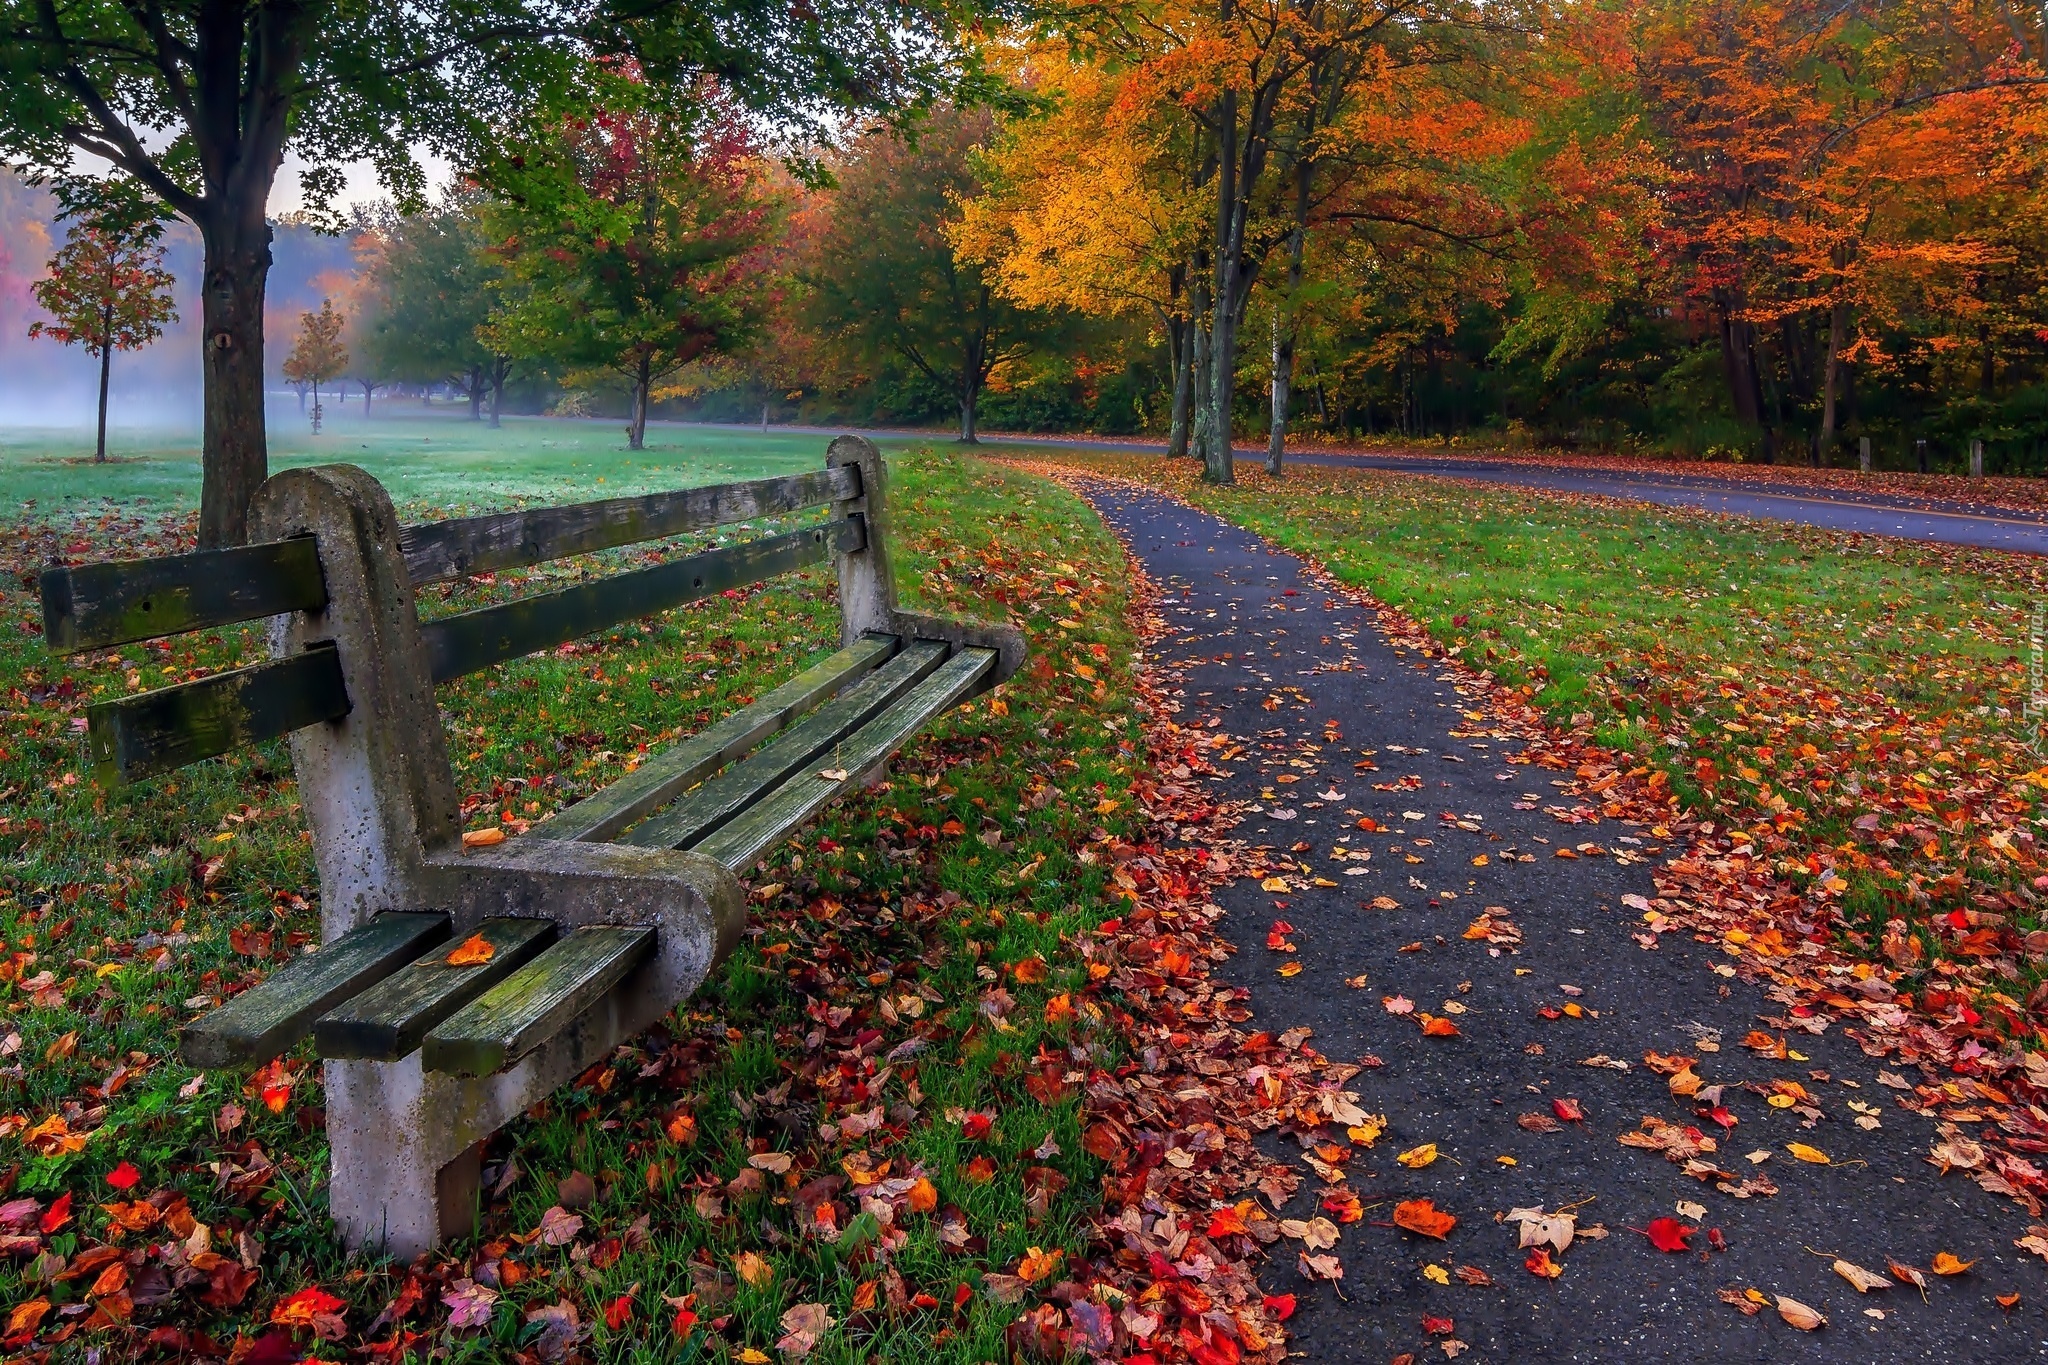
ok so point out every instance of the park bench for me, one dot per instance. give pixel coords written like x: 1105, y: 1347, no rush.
x: 601, y: 918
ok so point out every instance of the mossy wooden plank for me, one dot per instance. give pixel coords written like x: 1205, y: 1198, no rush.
x: 269, y: 1018
x: 536, y: 1002
x: 154, y: 732
x: 604, y: 813
x: 810, y: 741
x: 745, y: 838
x: 505, y: 540
x: 95, y: 606
x: 462, y: 644
x: 389, y: 1020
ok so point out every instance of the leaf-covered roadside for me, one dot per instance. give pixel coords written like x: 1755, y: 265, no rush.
x: 864, y: 1138
x: 1834, y: 752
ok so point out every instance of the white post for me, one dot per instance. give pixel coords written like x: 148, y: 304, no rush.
x: 1976, y: 457
x: 1863, y: 453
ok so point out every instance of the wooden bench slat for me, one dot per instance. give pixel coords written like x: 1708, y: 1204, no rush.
x: 443, y: 550
x: 689, y: 761
x: 390, y: 1019
x: 96, y: 606
x: 154, y: 732
x: 536, y: 1002
x: 462, y: 644
x: 268, y: 1018
x: 809, y: 741
x: 745, y: 838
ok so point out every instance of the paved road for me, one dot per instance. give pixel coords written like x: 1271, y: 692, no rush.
x: 1240, y: 640
x: 1833, y: 509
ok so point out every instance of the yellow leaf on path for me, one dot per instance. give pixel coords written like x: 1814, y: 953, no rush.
x: 1436, y: 1273
x: 475, y: 950
x: 1946, y: 1263
x: 1273, y: 884
x: 1290, y: 968
x: 1415, y: 1158
x: 1806, y: 1153
x: 1480, y: 861
x: 1687, y: 1082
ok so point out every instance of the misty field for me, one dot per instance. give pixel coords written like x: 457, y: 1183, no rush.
x: 429, y: 459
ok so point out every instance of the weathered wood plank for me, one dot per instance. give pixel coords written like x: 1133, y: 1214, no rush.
x: 761, y: 826
x: 536, y: 1002
x: 267, y: 1019
x: 390, y: 1019
x: 603, y: 814
x: 477, y: 639
x: 472, y: 545
x: 810, y: 741
x: 154, y: 732
x: 96, y: 606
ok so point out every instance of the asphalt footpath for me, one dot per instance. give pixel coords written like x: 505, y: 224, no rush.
x: 1303, y: 676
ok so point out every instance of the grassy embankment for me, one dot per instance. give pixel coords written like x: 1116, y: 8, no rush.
x: 912, y: 913
x: 1854, y: 707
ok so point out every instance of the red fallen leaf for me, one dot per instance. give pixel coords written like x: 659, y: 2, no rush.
x: 1227, y: 1223
x: 124, y: 1177
x: 1719, y: 1114
x: 961, y: 1296
x: 1568, y: 1110
x: 619, y: 1311
x: 1716, y: 1240
x: 977, y: 1126
x: 1424, y: 1217
x: 1539, y: 1263
x: 1668, y: 1234
x: 1438, y: 1327
x: 1435, y: 1026
x: 922, y: 1300
x: 1281, y: 926
x: 1281, y: 1306
x: 58, y: 1214
x: 685, y: 1323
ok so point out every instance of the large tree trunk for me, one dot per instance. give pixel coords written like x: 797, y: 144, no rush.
x: 235, y: 459
x: 973, y: 373
x: 475, y: 384
x: 501, y: 368
x: 643, y: 380
x: 1201, y: 430
x: 99, y: 454
x: 969, y: 414
x: 1831, y: 381
x: 1180, y: 352
x: 1283, y: 324
x: 368, y: 389
x: 1218, y: 463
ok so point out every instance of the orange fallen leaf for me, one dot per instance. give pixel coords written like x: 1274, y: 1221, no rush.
x: 1423, y: 1216
x: 1799, y: 1315
x: 475, y: 951
x: 1434, y: 1026
x: 483, y: 838
x: 1037, y: 1264
x: 1946, y: 1263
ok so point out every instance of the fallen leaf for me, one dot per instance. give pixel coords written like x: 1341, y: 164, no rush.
x: 1806, y: 1153
x: 1668, y: 1234
x: 475, y: 950
x: 775, y: 1163
x: 1916, y: 1278
x: 1422, y: 1216
x: 801, y: 1328
x: 1436, y: 1274
x: 1037, y: 1264
x: 1947, y: 1264
x: 1864, y: 1280
x: 1688, y: 1209
x: 1321, y: 1267
x: 1434, y: 1027
x: 1398, y: 1004
x: 469, y: 1304
x: 753, y: 1271
x: 483, y: 838
x: 1415, y: 1158
x: 1539, y: 1263
x: 1799, y: 1315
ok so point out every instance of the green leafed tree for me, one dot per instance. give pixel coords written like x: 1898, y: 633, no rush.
x: 107, y: 291
x: 436, y: 282
x: 318, y: 355
x: 194, y: 105
x: 638, y: 238
x: 883, y: 277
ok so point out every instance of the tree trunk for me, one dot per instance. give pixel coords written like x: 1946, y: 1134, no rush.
x: 764, y: 417
x: 1831, y: 381
x: 476, y: 393
x: 1283, y: 323
x: 368, y: 388
x: 969, y: 415
x: 1180, y: 351
x: 1218, y: 456
x: 1987, y: 363
x: 643, y: 380
x: 99, y: 454
x: 500, y: 368
x: 235, y: 459
x: 1201, y: 430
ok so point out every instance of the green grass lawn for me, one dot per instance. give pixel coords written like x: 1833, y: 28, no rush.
x: 937, y: 910
x: 1854, y: 708
x: 430, y: 458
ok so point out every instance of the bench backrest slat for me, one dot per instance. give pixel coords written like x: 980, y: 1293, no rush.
x: 137, y: 737
x: 98, y: 606
x: 506, y: 540
x: 477, y: 639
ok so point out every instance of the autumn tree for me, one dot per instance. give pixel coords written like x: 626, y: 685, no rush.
x: 638, y: 232
x: 318, y: 355
x: 438, y: 282
x: 106, y: 290
x: 195, y: 104
x: 885, y: 279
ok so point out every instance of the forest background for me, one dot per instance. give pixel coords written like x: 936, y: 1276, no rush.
x: 1731, y: 229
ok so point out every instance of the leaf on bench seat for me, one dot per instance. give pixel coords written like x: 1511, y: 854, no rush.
x: 536, y: 1002
x: 389, y: 1020
x: 267, y: 1019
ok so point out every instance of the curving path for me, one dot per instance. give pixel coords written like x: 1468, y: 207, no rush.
x: 1249, y: 628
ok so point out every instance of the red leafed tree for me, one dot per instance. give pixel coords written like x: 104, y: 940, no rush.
x: 107, y: 291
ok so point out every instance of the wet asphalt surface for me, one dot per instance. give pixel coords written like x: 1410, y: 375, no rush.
x: 1242, y: 641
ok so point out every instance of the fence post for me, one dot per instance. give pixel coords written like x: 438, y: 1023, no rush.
x: 1976, y: 457
x: 1920, y: 454
x: 1863, y: 453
